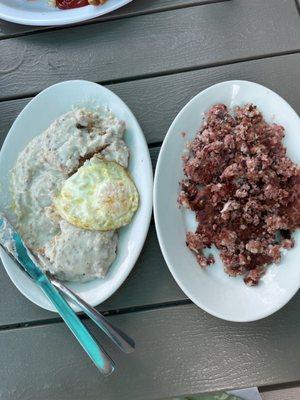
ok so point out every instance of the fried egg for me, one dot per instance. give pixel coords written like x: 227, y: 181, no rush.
x: 99, y: 196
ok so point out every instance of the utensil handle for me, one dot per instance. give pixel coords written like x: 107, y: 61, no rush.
x: 84, y: 337
x: 12, y: 242
x: 123, y: 341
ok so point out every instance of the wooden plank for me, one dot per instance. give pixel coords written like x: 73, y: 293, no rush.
x: 179, y: 350
x: 149, y: 45
x: 156, y: 101
x: 149, y: 283
x: 8, y: 29
x: 282, y: 394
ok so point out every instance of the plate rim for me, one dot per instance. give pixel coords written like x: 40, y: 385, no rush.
x: 182, y: 286
x: 42, y: 19
x: 148, y: 206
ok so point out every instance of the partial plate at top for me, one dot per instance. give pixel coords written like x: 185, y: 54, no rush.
x: 40, y: 13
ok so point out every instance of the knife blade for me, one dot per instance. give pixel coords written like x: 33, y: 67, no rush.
x: 12, y: 243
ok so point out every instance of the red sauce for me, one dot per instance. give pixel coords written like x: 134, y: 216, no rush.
x: 68, y: 4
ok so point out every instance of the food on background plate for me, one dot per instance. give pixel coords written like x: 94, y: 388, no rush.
x: 61, y: 186
x: 244, y: 190
x: 69, y: 4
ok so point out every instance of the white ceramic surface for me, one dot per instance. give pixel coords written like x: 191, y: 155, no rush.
x: 38, y: 115
x: 40, y: 13
x: 211, y: 289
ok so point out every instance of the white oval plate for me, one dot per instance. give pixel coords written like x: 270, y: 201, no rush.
x: 211, y: 289
x: 40, y: 13
x: 34, y: 119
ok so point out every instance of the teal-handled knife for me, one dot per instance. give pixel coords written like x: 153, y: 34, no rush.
x: 13, y: 244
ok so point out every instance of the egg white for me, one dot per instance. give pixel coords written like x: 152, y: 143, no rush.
x: 99, y: 196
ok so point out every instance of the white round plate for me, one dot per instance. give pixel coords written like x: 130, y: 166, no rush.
x: 40, y: 13
x: 34, y: 119
x: 211, y: 289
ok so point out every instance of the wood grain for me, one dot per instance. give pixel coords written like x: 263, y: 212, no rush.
x: 282, y: 394
x: 156, y: 101
x: 8, y: 29
x: 149, y: 45
x: 156, y: 62
x: 180, y: 350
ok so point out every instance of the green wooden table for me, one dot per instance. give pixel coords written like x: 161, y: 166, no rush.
x: 156, y: 55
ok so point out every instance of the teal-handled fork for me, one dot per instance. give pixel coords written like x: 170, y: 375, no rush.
x: 14, y: 246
